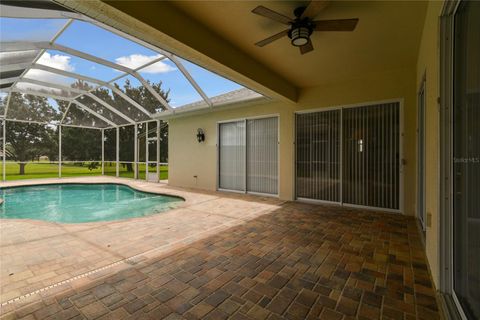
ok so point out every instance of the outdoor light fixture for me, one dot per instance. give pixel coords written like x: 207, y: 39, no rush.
x: 200, y: 135
x: 300, y: 35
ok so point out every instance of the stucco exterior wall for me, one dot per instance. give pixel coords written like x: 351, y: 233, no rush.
x: 188, y: 158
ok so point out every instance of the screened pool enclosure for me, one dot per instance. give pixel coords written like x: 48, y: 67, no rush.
x: 80, y: 98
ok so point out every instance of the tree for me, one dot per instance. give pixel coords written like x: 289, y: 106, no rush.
x: 127, y: 134
x: 81, y: 144
x: 28, y: 141
x: 50, y: 145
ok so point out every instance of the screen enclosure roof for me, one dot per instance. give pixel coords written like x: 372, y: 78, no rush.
x: 61, y: 67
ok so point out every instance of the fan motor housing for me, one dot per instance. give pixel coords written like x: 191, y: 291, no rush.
x: 302, y: 24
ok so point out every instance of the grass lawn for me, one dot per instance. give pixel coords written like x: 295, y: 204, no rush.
x: 38, y: 170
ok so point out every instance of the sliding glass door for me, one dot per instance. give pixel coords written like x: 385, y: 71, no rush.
x: 466, y: 159
x: 248, y: 155
x: 232, y: 161
x: 262, y: 155
x: 350, y: 156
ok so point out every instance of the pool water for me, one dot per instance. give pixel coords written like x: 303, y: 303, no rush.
x: 76, y: 203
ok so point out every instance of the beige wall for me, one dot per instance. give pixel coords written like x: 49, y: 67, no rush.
x: 428, y: 66
x: 188, y: 158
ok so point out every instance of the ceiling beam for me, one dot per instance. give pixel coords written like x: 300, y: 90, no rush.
x: 15, y: 66
x: 55, y: 124
x: 109, y: 107
x: 43, y: 45
x: 95, y: 81
x: 48, y: 95
x: 66, y: 111
x: 68, y: 74
x: 8, y: 80
x: 12, y: 11
x: 165, y: 17
x: 190, y: 79
x: 40, y: 94
x: 51, y: 85
x: 94, y: 113
x: 40, y: 53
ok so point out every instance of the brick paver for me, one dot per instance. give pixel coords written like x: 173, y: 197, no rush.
x: 298, y: 261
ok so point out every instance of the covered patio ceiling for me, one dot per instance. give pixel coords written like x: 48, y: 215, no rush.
x: 93, y: 75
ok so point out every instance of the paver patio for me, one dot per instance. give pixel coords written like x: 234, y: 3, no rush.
x: 219, y: 256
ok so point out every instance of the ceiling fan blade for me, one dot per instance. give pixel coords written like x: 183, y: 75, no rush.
x: 267, y: 13
x: 307, y: 47
x: 314, y: 8
x: 277, y: 36
x: 336, y: 25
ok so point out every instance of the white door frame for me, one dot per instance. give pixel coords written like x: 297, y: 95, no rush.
x: 421, y: 206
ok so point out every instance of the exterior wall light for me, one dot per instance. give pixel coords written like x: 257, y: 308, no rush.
x: 200, y: 135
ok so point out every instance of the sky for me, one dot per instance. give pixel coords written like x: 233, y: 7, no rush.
x: 99, y: 42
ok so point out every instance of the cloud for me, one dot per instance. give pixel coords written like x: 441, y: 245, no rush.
x: 57, y: 61
x: 134, y: 61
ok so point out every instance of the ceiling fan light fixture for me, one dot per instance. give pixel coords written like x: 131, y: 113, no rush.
x: 300, y: 36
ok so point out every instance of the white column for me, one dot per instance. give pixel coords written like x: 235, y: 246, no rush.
x: 246, y: 155
x: 158, y: 150
x: 59, y: 151
x: 146, y: 151
x: 135, y: 151
x: 117, y: 150
x: 103, y: 152
x: 4, y: 153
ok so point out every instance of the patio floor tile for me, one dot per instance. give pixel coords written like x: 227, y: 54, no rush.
x: 287, y: 261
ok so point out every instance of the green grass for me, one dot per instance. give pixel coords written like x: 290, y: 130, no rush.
x: 39, y: 170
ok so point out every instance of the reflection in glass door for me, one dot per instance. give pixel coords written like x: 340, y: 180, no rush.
x: 466, y: 159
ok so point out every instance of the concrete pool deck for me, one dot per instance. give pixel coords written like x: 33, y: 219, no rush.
x: 218, y: 255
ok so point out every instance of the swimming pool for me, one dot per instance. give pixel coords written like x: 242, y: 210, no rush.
x: 76, y: 203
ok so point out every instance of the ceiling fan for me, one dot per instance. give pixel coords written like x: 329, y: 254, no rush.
x: 303, y: 25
